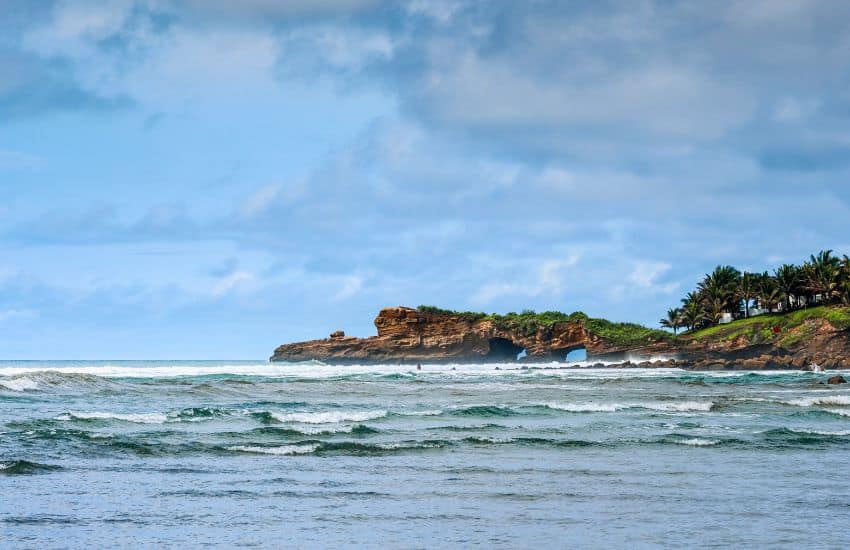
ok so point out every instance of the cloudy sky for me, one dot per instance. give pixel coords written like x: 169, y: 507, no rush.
x: 208, y: 179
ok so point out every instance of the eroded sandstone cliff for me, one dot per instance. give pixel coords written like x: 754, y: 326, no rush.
x: 408, y: 335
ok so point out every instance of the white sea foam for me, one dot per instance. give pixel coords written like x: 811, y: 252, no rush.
x: 417, y: 445
x: 840, y: 412
x: 434, y: 412
x: 833, y: 400
x: 672, y: 406
x: 328, y: 417
x: 697, y: 442
x: 317, y: 430
x: 678, y: 406
x: 282, y: 450
x: 494, y: 440
x: 820, y: 432
x: 312, y: 369
x: 19, y: 384
x: 138, y: 418
x: 587, y: 407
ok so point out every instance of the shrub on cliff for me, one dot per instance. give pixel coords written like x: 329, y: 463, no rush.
x: 529, y: 322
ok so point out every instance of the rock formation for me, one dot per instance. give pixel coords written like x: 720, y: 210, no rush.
x: 407, y: 335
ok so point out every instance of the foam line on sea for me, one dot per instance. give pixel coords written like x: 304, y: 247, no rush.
x: 174, y: 369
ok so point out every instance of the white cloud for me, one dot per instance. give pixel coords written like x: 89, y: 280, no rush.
x: 790, y: 109
x: 238, y: 280
x: 440, y: 10
x: 338, y: 47
x: 261, y: 200
x: 76, y: 27
x: 351, y: 286
x: 550, y: 281
x: 645, y: 275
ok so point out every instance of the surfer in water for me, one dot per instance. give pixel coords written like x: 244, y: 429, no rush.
x: 418, y: 366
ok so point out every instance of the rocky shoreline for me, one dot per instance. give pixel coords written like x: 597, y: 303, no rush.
x: 410, y: 336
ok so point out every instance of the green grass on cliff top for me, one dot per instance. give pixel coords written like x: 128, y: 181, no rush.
x: 528, y: 322
x: 793, y: 329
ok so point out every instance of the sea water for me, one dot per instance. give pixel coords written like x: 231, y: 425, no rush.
x: 141, y: 454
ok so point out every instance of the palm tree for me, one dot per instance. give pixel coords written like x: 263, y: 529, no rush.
x: 769, y: 293
x: 787, y: 280
x: 673, y: 319
x: 844, y: 274
x: 714, y: 302
x: 822, y: 275
x: 692, y: 314
x: 747, y: 290
x: 719, y: 292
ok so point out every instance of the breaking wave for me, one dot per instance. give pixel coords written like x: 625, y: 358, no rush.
x: 328, y: 417
x: 829, y: 400
x: 138, y: 418
x: 672, y: 406
x: 283, y: 450
x: 25, y: 467
x: 19, y: 384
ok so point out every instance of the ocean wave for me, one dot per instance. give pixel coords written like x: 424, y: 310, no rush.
x: 350, y: 448
x: 52, y: 380
x: 530, y: 441
x: 678, y: 406
x: 836, y: 433
x: 586, y: 407
x: 283, y: 450
x: 25, y: 467
x: 433, y: 412
x: 19, y: 384
x: 797, y: 437
x: 328, y: 417
x: 485, y: 410
x: 470, y: 428
x: 829, y: 400
x: 663, y: 406
x: 290, y: 430
x: 696, y: 442
x: 137, y: 418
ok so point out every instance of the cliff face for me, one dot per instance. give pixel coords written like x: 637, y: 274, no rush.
x: 816, y: 341
x: 409, y: 336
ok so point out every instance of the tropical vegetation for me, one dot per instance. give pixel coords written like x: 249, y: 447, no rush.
x: 528, y: 322
x: 727, y: 293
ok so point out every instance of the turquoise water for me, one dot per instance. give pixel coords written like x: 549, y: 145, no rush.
x: 249, y: 453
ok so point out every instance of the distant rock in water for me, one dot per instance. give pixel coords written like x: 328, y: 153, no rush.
x: 838, y: 379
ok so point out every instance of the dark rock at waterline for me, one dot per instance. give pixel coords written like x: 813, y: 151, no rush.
x: 838, y: 379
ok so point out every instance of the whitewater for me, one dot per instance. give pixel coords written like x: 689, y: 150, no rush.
x: 247, y: 453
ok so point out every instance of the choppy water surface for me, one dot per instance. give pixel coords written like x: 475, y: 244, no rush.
x: 238, y: 453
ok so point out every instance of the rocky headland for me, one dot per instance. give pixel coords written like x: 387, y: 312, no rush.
x: 429, y: 335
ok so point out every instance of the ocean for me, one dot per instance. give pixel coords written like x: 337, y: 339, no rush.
x: 240, y: 453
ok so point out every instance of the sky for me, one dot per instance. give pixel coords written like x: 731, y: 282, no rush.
x: 209, y: 179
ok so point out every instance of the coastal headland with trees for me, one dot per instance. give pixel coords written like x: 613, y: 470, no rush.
x: 792, y: 318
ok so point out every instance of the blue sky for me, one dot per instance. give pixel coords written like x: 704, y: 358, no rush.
x: 209, y: 179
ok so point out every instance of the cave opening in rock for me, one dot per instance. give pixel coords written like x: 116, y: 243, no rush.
x: 577, y: 354
x: 502, y: 349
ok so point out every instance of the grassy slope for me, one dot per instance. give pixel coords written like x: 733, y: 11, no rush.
x: 528, y: 322
x: 759, y: 330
